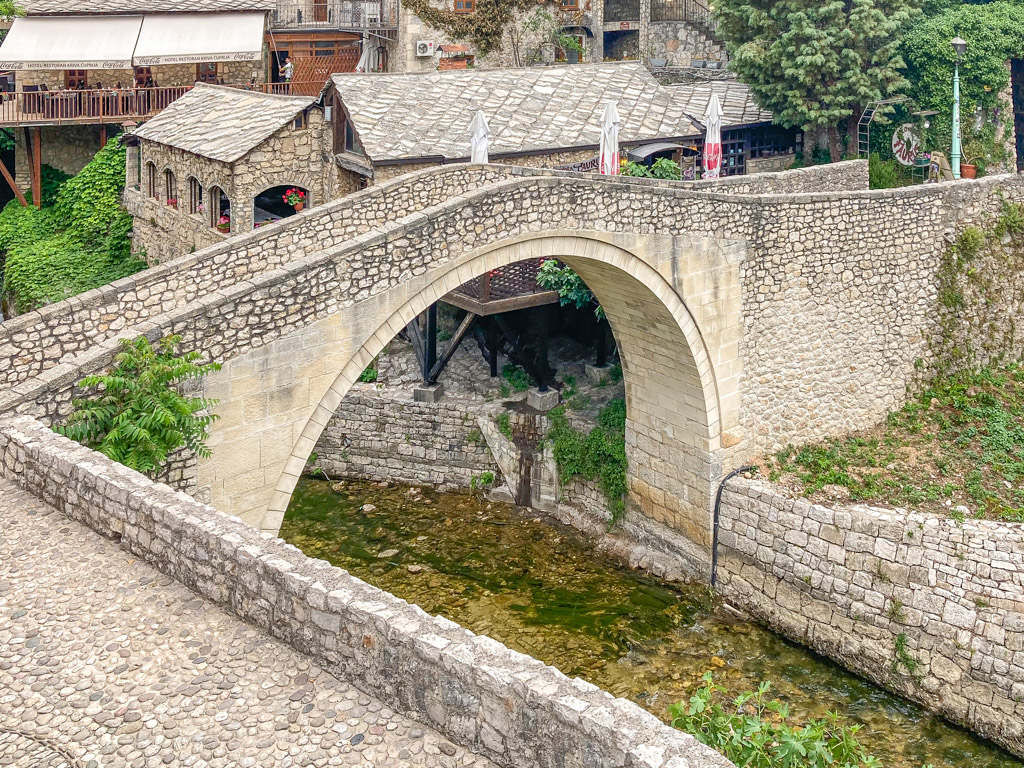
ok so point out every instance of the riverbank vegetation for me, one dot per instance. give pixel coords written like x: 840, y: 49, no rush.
x: 598, y: 455
x: 79, y: 239
x: 957, y: 449
x: 755, y: 731
x: 138, y: 416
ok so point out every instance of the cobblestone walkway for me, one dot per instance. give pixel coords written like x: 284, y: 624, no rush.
x: 106, y: 662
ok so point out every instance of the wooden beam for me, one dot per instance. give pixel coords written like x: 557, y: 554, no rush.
x: 460, y: 334
x: 37, y: 167
x: 416, y: 337
x: 103, y: 135
x: 430, y: 351
x: 499, y: 306
x: 10, y: 180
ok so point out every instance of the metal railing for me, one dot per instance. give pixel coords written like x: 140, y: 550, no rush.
x: 335, y: 14
x: 110, y: 105
x: 695, y: 12
x: 621, y: 10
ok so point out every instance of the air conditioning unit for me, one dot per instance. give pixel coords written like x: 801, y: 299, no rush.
x: 424, y: 48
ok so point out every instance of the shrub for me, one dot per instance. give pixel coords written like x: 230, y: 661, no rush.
x: 570, y: 286
x: 80, y: 243
x: 598, y: 455
x: 755, y: 732
x: 138, y: 416
x: 882, y: 174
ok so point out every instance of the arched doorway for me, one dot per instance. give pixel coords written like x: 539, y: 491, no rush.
x: 278, y: 202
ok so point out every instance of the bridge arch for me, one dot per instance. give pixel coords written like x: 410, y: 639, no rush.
x: 674, y: 422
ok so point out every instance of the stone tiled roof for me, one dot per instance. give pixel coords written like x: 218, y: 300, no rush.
x: 92, y: 7
x: 538, y: 108
x: 738, y: 104
x: 221, y: 123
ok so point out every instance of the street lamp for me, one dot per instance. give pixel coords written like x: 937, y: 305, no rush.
x: 960, y: 46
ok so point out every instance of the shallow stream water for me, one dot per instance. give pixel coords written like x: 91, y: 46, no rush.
x: 541, y: 588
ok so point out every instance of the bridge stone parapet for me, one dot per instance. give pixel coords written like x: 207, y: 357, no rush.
x: 37, y: 340
x: 500, y: 703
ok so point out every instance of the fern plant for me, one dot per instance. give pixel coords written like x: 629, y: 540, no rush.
x: 138, y: 417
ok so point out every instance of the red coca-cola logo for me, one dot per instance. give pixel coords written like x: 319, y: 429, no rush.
x: 712, y: 156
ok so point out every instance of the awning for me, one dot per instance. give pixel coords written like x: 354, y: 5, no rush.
x: 70, y: 42
x: 193, y: 38
x: 646, y: 150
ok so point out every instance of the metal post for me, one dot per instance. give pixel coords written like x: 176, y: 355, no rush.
x: 431, y: 348
x: 954, y: 156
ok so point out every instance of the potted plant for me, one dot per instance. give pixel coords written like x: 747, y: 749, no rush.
x: 295, y: 197
x: 973, y: 152
x: 173, y: 202
x: 224, y: 223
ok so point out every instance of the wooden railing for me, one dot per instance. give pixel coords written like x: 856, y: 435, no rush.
x: 336, y: 14
x: 109, y: 105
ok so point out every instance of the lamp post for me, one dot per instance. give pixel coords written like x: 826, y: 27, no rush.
x: 959, y: 45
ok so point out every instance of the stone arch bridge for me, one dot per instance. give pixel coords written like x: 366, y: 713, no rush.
x: 748, y: 314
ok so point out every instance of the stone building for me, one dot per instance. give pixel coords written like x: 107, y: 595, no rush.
x: 244, y: 149
x: 83, y: 68
x: 218, y: 162
x: 548, y: 117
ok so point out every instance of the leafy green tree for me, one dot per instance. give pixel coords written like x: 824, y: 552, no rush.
x: 755, y: 732
x: 817, y: 64
x: 484, y: 27
x: 994, y: 33
x: 139, y: 416
x: 570, y: 286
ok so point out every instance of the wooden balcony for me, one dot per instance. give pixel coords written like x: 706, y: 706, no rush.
x: 380, y: 16
x: 503, y: 290
x: 108, y: 105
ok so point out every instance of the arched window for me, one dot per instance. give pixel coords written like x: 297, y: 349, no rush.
x: 195, y: 195
x: 151, y: 180
x: 276, y: 203
x: 220, y: 210
x: 170, y: 188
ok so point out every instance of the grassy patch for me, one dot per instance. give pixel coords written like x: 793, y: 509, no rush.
x: 959, y: 443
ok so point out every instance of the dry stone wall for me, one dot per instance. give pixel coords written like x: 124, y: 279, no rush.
x: 395, y: 439
x: 500, y: 703
x: 858, y: 583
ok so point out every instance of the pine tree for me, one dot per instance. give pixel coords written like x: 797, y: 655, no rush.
x: 815, y: 64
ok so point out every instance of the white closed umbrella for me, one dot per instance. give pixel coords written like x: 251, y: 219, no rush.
x: 479, y: 132
x: 713, y: 138
x: 365, y: 63
x: 609, y: 164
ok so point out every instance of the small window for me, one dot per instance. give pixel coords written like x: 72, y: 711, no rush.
x: 570, y: 5
x: 206, y: 72
x: 151, y: 180
x: 220, y: 210
x: 143, y: 77
x: 300, y: 121
x: 170, y: 188
x: 352, y: 143
x: 195, y: 196
x: 463, y: 6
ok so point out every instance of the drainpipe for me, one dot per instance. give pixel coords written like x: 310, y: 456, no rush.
x: 714, y: 530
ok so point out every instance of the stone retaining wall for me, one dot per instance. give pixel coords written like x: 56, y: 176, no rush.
x: 388, y: 437
x: 856, y: 583
x: 498, y: 702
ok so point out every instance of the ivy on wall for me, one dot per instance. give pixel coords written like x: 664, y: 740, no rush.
x: 484, y: 27
x: 79, y: 243
x: 994, y: 33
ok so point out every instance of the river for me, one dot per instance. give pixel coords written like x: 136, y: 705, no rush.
x: 541, y: 588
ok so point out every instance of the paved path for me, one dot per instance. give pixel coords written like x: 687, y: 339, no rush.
x: 106, y: 662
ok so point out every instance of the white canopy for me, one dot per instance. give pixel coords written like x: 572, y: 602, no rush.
x: 192, y: 38
x: 70, y: 42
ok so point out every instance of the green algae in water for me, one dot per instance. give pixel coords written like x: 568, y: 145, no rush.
x: 543, y: 589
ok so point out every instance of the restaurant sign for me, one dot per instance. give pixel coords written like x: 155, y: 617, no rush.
x: 149, y: 61
x: 906, y: 144
x: 584, y: 166
x: 21, y: 66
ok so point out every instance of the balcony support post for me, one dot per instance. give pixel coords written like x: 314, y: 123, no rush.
x: 14, y: 186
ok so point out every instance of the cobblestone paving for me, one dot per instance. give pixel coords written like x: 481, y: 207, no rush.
x: 109, y: 662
